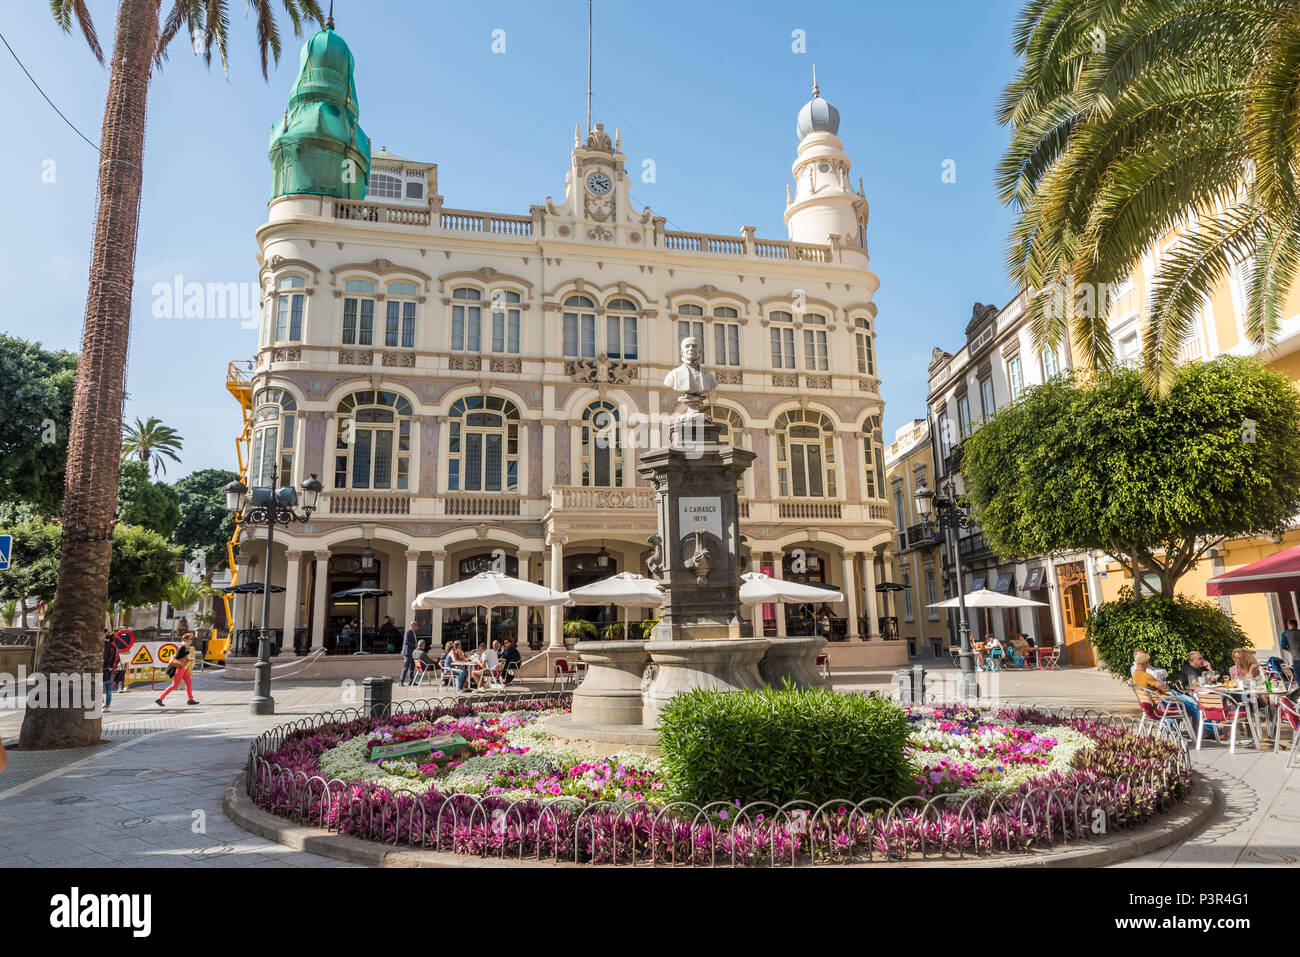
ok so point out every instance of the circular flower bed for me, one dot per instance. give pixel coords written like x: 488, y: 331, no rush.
x: 1010, y: 780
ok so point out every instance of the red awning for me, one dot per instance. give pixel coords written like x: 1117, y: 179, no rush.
x: 1280, y: 572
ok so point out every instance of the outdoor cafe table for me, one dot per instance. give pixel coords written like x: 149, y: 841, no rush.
x: 1253, y: 696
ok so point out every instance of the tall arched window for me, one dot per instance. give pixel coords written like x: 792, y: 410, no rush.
x: 782, y: 339
x: 373, y: 450
x: 601, y: 451
x: 579, y: 328
x: 466, y: 320
x: 689, y: 325
x: 873, y: 456
x: 505, y: 321
x: 483, y: 445
x: 358, y: 312
x: 620, y: 329
x: 274, y: 417
x: 726, y: 336
x: 288, y: 316
x: 805, y: 455
x: 399, y: 325
x: 866, y: 350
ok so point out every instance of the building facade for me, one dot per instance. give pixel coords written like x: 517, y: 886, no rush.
x: 474, y: 388
x: 997, y: 362
x: 916, y: 558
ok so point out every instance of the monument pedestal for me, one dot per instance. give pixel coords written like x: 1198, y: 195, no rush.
x: 725, y: 665
x: 610, y: 694
x: 793, y: 660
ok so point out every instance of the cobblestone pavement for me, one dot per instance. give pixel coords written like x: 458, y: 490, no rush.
x: 150, y: 796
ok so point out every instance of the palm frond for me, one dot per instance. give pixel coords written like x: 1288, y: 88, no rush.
x: 65, y: 10
x: 1272, y: 118
x: 1186, y: 278
x: 1277, y: 255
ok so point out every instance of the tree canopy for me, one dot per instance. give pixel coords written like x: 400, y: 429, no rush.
x: 35, y: 409
x: 205, y: 525
x: 143, y: 567
x: 153, y: 505
x: 33, y: 572
x: 1154, y: 481
x: 1130, y: 120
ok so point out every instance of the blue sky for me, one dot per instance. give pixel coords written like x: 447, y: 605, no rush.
x: 708, y: 90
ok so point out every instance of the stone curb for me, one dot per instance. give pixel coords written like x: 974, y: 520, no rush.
x: 1202, y: 804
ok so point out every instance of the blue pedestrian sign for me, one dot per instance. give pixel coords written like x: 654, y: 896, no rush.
x: 6, y: 543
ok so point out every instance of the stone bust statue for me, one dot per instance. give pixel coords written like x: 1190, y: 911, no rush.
x: 691, y: 379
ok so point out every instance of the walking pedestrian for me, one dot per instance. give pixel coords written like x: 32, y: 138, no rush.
x: 180, y: 673
x: 112, y: 661
x: 408, y: 655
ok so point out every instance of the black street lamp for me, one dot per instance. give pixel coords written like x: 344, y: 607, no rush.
x: 950, y: 512
x: 270, y: 506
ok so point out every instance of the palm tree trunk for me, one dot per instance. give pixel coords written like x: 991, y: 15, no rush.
x: 95, y: 436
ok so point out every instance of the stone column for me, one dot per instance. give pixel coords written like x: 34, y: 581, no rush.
x: 292, y: 577
x: 318, y: 606
x: 439, y: 563
x: 869, y: 587
x: 851, y: 592
x: 412, y: 573
x: 555, y: 614
x: 778, y: 572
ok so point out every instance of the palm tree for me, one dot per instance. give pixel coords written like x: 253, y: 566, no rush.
x: 151, y: 439
x: 1130, y: 120
x: 95, y: 435
x: 186, y: 592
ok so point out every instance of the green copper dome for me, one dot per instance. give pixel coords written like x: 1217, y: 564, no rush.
x: 319, y: 147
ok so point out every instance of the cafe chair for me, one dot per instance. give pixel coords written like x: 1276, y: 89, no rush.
x: 565, y: 674
x: 1288, y: 713
x: 1158, y: 709
x: 1220, y: 710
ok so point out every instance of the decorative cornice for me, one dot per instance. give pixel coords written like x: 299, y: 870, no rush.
x: 381, y: 267
x: 485, y: 274
x: 709, y: 292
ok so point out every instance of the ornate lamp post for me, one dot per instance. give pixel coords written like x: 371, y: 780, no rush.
x: 950, y: 512
x: 269, y: 506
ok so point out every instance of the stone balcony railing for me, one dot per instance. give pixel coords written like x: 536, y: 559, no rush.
x: 433, y: 216
x: 366, y: 503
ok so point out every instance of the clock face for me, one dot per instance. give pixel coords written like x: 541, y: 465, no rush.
x: 599, y: 183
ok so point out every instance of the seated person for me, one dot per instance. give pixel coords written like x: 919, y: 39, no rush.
x: 1142, y: 675
x: 486, y: 663
x: 389, y: 636
x: 1029, y: 640
x: 347, y: 637
x: 421, y: 654
x: 1019, y: 645
x: 1195, y: 671
x: 456, y: 663
x: 1160, y: 673
x: 1244, y: 666
x: 510, y: 655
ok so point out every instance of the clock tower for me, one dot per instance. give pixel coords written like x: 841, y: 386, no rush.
x: 596, y: 185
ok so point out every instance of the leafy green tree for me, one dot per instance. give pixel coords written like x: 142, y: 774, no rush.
x: 1168, y: 630
x: 205, y: 525
x: 151, y: 441
x: 1154, y: 481
x: 143, y: 567
x: 33, y: 563
x: 154, y: 505
x: 1125, y: 117
x: 35, y: 409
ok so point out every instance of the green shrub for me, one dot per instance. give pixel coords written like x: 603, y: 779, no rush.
x: 1166, y: 630
x: 783, y: 745
x: 580, y: 630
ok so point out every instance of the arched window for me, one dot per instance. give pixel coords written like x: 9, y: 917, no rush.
x: 814, y: 343
x: 688, y: 325
x: 483, y: 445
x: 373, y: 450
x: 732, y: 426
x: 399, y: 327
x: 579, y: 328
x: 274, y: 417
x: 782, y: 332
x: 866, y: 350
x: 505, y: 321
x: 288, y: 317
x: 726, y: 336
x: 466, y: 320
x: 873, y: 457
x: 620, y: 329
x: 601, y: 452
x: 358, y: 312
x: 805, y: 455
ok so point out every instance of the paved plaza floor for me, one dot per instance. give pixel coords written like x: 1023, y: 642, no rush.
x: 151, y: 795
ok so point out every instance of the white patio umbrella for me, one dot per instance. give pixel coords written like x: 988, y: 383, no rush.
x: 758, y: 589
x: 626, y: 590
x: 489, y: 589
x: 984, y: 598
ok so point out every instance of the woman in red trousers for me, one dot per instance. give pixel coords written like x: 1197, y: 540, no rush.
x: 181, y: 661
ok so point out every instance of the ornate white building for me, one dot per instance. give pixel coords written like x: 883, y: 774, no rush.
x: 472, y: 386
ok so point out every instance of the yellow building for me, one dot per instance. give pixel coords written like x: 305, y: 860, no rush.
x: 914, y: 559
